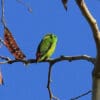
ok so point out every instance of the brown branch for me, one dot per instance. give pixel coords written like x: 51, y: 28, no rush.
x: 61, y: 58
x: 5, y: 58
x: 51, y: 63
x: 2, y: 41
x: 64, y: 2
x: 48, y: 83
x: 84, y: 94
x: 2, y: 16
x: 72, y: 58
x: 26, y: 5
x: 96, y: 35
x: 91, y: 20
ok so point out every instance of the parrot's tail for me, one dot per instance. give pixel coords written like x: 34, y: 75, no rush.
x: 37, y: 60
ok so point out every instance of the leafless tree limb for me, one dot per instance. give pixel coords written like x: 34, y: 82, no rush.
x: 61, y: 58
x: 96, y: 35
x: 25, y: 4
x: 90, y: 19
x: 2, y: 16
x: 2, y: 41
x: 48, y: 83
x: 51, y: 63
x: 5, y: 58
x: 75, y: 98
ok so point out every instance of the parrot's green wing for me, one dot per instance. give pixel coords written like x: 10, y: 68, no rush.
x: 44, y: 46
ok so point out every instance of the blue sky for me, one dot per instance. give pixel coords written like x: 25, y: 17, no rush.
x: 69, y: 79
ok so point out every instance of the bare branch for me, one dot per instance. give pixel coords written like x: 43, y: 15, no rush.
x: 61, y: 58
x: 96, y: 34
x: 2, y: 41
x: 26, y: 5
x: 91, y: 20
x: 64, y: 2
x: 84, y: 94
x: 2, y: 16
x: 72, y: 58
x: 5, y: 58
x: 51, y: 63
x: 48, y: 83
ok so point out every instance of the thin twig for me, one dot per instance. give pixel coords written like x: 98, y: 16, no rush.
x: 2, y: 16
x: 64, y: 2
x: 84, y: 94
x: 26, y: 5
x: 2, y: 41
x: 5, y: 58
x: 72, y: 58
x: 48, y: 83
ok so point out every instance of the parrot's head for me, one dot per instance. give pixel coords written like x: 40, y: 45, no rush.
x: 52, y: 36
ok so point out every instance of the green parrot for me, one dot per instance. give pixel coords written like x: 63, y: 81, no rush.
x: 46, y: 47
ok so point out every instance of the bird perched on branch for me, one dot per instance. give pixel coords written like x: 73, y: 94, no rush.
x: 46, y: 47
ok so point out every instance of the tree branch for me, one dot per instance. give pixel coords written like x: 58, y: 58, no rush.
x: 91, y: 20
x: 96, y: 34
x: 26, y: 5
x: 48, y: 83
x: 2, y: 16
x: 5, y: 58
x: 51, y: 63
x: 61, y: 58
x: 84, y: 94
x: 2, y: 41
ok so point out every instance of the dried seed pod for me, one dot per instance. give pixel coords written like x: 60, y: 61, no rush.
x: 12, y: 45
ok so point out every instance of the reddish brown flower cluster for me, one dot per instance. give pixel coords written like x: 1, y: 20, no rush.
x: 12, y: 45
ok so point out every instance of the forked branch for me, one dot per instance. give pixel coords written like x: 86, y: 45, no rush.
x: 53, y: 61
x: 91, y: 20
x: 96, y: 35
